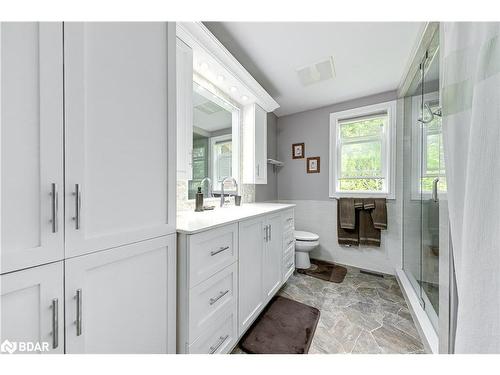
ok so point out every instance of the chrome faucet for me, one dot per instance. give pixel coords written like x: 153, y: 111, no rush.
x: 210, y: 190
x: 222, y: 196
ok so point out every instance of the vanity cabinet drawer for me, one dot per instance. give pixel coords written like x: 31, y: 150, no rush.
x: 211, y: 251
x: 219, y: 338
x: 289, y: 250
x: 288, y: 221
x: 288, y: 265
x: 288, y: 240
x: 212, y: 298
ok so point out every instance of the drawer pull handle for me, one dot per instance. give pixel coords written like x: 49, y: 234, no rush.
x: 289, y: 219
x: 78, y: 312
x: 214, y: 348
x: 215, y: 299
x: 55, y: 323
x: 221, y: 249
x: 54, y: 207
x: 78, y: 206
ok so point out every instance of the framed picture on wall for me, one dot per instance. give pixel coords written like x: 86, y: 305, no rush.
x: 313, y: 165
x: 298, y: 150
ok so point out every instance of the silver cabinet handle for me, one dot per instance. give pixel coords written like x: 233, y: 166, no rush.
x: 435, y: 189
x: 78, y: 205
x: 258, y: 170
x: 266, y: 235
x: 215, y: 299
x: 220, y: 250
x: 270, y: 232
x: 214, y: 348
x: 55, y: 323
x: 289, y: 219
x: 54, y: 207
x: 78, y: 312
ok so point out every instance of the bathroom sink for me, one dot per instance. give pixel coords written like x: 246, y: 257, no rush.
x: 192, y: 222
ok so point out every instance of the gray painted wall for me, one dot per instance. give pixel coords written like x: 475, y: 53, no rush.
x: 313, y: 129
x: 315, y: 212
x: 269, y: 192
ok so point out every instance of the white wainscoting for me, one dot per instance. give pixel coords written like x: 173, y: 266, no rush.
x: 321, y: 217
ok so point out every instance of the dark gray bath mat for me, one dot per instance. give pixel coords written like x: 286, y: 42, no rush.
x: 284, y: 327
x: 325, y: 271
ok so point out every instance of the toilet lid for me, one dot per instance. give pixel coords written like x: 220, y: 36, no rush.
x: 305, y: 236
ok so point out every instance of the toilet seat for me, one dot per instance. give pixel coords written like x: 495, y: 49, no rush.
x: 305, y: 236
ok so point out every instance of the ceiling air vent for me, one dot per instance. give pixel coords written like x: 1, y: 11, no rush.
x: 209, y: 107
x: 321, y: 71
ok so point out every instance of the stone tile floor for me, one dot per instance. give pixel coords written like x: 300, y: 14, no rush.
x: 364, y: 314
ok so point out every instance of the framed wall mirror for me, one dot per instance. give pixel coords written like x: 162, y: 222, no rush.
x: 215, y: 143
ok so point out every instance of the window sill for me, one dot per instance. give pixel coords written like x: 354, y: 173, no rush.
x: 337, y: 195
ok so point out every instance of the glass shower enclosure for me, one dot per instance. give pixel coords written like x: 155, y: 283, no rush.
x: 424, y: 181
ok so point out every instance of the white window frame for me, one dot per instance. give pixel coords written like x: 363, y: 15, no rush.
x: 388, y: 149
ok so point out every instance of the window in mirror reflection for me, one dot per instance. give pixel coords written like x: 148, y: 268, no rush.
x: 213, y: 157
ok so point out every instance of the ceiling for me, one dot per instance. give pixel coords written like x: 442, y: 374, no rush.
x: 368, y: 57
x: 208, y: 115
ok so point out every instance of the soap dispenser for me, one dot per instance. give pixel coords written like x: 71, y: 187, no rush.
x: 199, y: 201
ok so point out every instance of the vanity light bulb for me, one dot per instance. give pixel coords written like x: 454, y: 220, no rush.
x: 244, y: 98
x: 220, y: 78
x: 203, y: 66
x: 233, y: 89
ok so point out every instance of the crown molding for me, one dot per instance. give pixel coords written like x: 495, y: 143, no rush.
x: 197, y: 36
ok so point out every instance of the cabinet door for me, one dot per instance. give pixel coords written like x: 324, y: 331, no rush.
x: 254, y: 145
x: 260, y: 145
x: 31, y: 308
x: 122, y: 300
x: 31, y: 108
x: 250, y: 273
x: 273, y: 256
x: 184, y: 69
x: 120, y: 133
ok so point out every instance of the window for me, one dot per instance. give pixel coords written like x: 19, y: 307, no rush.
x: 361, y: 142
x: 222, y: 159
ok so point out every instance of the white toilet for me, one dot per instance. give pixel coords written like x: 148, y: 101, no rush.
x: 305, y: 242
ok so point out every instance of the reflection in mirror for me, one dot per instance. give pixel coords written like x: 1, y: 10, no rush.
x: 213, y: 156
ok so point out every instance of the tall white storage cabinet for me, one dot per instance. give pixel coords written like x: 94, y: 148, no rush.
x: 31, y: 108
x: 106, y: 231
x: 120, y: 156
x: 31, y: 308
x: 120, y: 300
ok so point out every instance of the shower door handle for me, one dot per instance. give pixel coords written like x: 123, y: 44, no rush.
x: 435, y: 189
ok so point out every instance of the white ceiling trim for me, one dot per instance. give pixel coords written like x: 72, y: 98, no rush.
x: 197, y: 36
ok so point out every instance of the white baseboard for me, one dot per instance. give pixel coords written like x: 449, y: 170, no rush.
x: 422, y: 322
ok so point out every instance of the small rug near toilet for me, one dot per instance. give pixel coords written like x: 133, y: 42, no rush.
x: 325, y: 271
x: 284, y: 327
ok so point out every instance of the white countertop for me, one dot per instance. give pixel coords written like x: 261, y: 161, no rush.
x: 190, y: 222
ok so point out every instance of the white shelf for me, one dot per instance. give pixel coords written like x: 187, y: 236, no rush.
x: 275, y: 163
